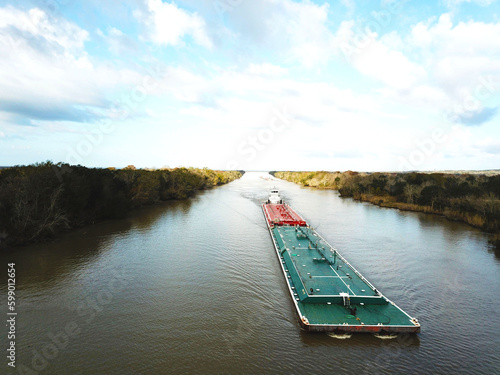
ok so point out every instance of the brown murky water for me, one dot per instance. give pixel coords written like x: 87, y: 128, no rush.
x: 194, y: 287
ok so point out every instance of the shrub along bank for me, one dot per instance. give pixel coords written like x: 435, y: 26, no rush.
x: 40, y: 200
x: 474, y: 199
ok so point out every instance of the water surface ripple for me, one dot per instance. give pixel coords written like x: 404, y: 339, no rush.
x: 194, y: 287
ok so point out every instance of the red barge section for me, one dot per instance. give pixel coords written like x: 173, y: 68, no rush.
x: 282, y: 214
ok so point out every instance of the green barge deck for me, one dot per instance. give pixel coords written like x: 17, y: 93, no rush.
x: 328, y: 292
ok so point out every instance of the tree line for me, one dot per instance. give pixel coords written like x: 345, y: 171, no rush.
x: 37, y: 201
x: 472, y: 198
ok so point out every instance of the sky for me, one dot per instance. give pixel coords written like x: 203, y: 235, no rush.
x: 251, y: 84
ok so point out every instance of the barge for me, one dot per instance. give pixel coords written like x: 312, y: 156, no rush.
x: 329, y: 294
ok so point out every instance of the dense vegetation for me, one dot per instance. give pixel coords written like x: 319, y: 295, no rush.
x: 474, y: 199
x: 37, y: 201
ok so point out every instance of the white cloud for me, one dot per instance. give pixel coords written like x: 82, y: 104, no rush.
x: 45, y: 71
x: 304, y: 27
x: 118, y: 42
x: 265, y: 50
x: 35, y: 24
x: 461, y: 58
x: 241, y: 104
x: 440, y: 65
x: 266, y: 70
x: 321, y: 114
x: 263, y: 83
x: 293, y: 32
x: 349, y: 4
x: 389, y: 66
x: 489, y: 145
x: 378, y: 57
x: 167, y: 24
x: 465, y: 39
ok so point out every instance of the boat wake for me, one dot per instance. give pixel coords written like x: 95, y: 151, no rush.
x: 385, y: 336
x: 340, y: 336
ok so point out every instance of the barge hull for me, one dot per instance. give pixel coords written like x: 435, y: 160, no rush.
x: 328, y: 293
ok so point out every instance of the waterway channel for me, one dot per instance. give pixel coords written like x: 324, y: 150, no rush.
x: 194, y: 287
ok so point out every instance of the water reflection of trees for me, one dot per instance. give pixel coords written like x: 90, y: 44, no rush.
x: 495, y: 248
x: 44, y: 265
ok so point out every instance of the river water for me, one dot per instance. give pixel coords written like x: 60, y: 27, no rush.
x: 194, y: 287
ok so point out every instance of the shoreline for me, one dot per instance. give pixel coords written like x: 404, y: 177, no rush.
x: 382, y: 201
x: 342, y: 183
x: 40, y: 201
